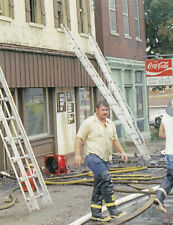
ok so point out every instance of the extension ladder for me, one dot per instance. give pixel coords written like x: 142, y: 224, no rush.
x: 19, y: 151
x: 115, y: 89
x: 115, y: 103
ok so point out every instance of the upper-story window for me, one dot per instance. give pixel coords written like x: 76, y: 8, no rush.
x: 62, y: 13
x: 137, y: 24
x: 83, y: 12
x: 7, y: 8
x: 35, y: 11
x: 113, y: 16
x: 126, y: 17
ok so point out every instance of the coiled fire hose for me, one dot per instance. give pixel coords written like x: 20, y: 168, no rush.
x: 7, y: 203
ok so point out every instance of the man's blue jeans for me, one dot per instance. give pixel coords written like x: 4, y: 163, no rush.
x: 96, y: 164
x: 169, y: 161
x: 167, y: 182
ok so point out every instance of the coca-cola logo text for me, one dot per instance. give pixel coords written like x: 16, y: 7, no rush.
x: 158, y: 66
x: 161, y: 67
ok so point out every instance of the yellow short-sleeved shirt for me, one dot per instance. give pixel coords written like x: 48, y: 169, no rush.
x: 97, y: 137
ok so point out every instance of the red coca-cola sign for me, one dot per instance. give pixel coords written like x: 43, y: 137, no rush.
x: 161, y: 67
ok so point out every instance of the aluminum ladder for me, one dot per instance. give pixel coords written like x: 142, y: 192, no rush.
x: 116, y: 91
x: 19, y: 151
x: 114, y: 103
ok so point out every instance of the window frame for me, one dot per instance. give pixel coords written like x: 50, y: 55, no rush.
x: 9, y: 6
x: 113, y: 11
x: 41, y: 135
x: 137, y: 20
x: 83, y: 28
x: 92, y: 96
x: 139, y: 84
x: 126, y: 27
x: 42, y: 12
x: 65, y: 12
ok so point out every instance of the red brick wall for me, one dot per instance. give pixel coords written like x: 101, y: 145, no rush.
x: 119, y: 46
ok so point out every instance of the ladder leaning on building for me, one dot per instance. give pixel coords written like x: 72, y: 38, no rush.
x: 19, y: 151
x: 115, y: 100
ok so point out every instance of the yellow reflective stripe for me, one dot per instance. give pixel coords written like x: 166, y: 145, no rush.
x: 113, y: 198
x: 96, y: 206
x: 96, y: 219
x: 110, y: 204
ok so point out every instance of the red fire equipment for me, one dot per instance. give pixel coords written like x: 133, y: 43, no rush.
x: 55, y: 164
x: 30, y: 180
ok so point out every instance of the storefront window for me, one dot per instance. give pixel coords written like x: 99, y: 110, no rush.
x: 85, y: 108
x: 139, y: 94
x: 140, y: 124
x: 139, y: 102
x: 36, y: 111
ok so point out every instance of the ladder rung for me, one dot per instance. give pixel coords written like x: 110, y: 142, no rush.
x: 25, y: 157
x: 17, y: 158
x: 5, y: 99
x: 15, y: 139
x: 36, y: 196
x: 28, y: 177
x: 10, y: 118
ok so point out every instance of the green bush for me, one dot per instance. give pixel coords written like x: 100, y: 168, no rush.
x: 154, y: 134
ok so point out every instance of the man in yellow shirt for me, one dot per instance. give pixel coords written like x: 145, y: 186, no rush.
x: 99, y: 136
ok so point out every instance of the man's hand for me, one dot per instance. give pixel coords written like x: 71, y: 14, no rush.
x: 119, y: 148
x: 124, y: 157
x: 78, y: 160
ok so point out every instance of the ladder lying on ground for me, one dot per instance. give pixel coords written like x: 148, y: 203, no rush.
x: 19, y: 151
x: 115, y: 100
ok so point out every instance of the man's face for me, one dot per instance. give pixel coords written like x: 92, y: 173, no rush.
x: 102, y: 112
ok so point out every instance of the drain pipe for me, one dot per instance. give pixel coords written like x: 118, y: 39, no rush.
x: 120, y: 201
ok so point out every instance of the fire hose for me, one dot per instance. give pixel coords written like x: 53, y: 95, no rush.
x: 118, y: 202
x: 8, y: 202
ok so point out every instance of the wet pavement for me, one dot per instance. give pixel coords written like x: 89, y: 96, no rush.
x: 71, y: 202
x: 151, y: 216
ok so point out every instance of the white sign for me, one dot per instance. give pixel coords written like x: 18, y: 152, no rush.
x: 159, y: 72
x: 155, y: 81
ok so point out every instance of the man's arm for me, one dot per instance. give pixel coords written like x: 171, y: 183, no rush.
x: 117, y: 145
x: 162, y: 131
x: 78, y: 144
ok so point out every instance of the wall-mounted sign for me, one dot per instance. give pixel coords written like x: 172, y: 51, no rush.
x: 61, y: 102
x: 159, y: 72
x: 70, y: 96
x: 71, y: 118
x: 70, y: 107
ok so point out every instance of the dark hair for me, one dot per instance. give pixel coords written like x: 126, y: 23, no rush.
x: 100, y: 103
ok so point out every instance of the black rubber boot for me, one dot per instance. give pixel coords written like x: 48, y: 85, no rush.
x: 96, y: 204
x: 108, y: 195
x: 160, y: 196
x: 97, y: 214
x: 164, y: 190
x: 112, y: 208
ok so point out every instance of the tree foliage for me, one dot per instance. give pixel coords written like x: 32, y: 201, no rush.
x: 159, y: 26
